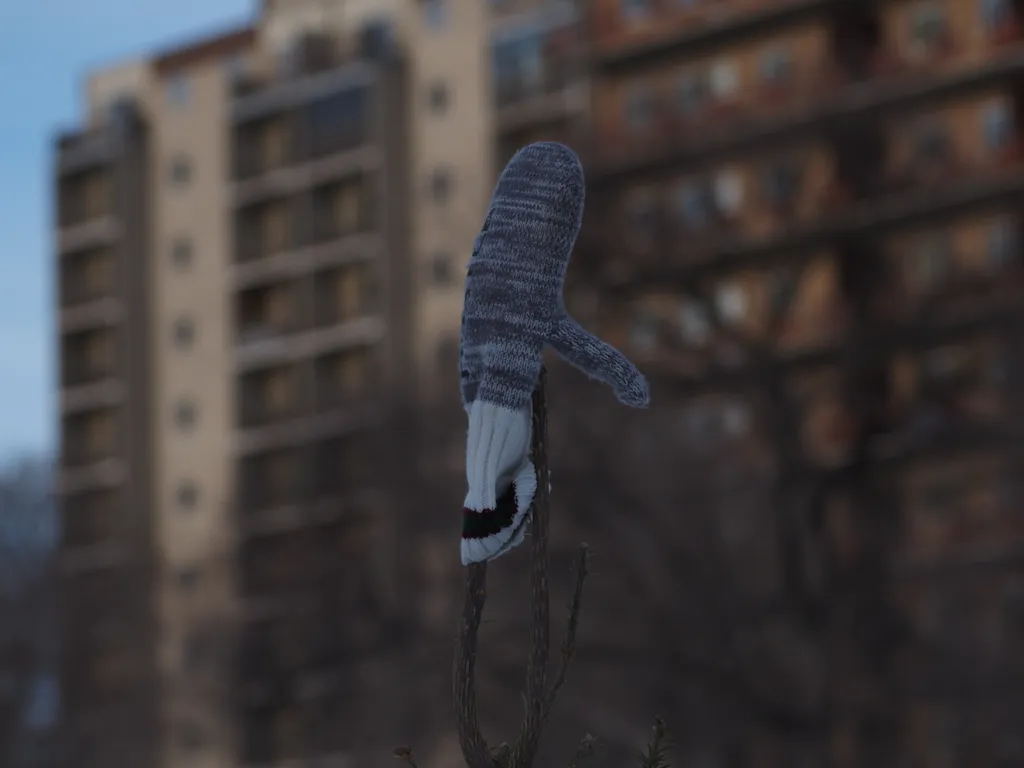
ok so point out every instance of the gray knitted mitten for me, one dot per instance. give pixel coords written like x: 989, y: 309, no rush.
x: 514, y: 306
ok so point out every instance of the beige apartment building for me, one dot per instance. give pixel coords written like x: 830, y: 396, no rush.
x: 260, y: 242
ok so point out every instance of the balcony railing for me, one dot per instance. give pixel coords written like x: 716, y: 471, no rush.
x: 619, y: 251
x: 825, y: 98
x: 78, y: 152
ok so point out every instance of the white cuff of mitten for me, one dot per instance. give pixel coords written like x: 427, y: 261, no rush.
x: 502, y: 481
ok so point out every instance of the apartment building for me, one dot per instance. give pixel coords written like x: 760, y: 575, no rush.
x: 824, y: 199
x: 259, y: 243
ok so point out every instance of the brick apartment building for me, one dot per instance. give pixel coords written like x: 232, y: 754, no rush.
x: 824, y: 199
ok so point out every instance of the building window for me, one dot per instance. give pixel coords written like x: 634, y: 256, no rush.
x: 643, y: 334
x: 776, y: 66
x: 932, y: 260
x: 185, y: 414
x: 448, y: 354
x: 181, y: 252
x: 436, y: 13
x: 731, y: 303
x: 192, y: 737
x: 642, y: 215
x: 194, y: 652
x: 692, y: 93
x: 635, y: 10
x: 441, y: 185
x: 235, y: 67
x: 927, y: 27
x: 441, y: 269
x: 781, y: 183
x: 694, y: 204
x: 694, y: 323
x: 184, y: 332
x: 180, y: 171
x: 931, y: 142
x: 187, y: 495
x: 723, y: 80
x: 1003, y: 244
x: 177, y: 90
x: 995, y: 13
x: 187, y: 577
x: 997, y: 125
x: 639, y: 108
x: 437, y: 97
x: 728, y: 192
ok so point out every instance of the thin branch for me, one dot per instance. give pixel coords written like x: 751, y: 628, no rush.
x: 474, y: 747
x: 540, y: 618
x: 405, y: 755
x: 583, y: 751
x: 569, y: 640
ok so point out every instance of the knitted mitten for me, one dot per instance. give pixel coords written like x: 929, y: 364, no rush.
x: 514, y: 306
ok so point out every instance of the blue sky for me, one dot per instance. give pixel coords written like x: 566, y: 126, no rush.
x: 46, y: 46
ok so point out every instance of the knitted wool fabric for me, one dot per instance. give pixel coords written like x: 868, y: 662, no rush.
x: 514, y: 306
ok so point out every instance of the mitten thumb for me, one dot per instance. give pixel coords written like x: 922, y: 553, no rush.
x: 601, y: 361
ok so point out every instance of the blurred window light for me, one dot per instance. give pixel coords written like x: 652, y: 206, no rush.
x: 729, y: 191
x: 177, y: 89
x: 724, y: 79
x: 731, y: 303
x: 436, y: 13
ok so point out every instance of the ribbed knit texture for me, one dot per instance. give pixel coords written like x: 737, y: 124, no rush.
x: 514, y: 306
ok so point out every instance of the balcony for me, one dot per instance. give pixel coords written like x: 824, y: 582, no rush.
x: 522, y: 104
x: 301, y: 260
x: 319, y: 469
x: 88, y: 357
x: 99, y: 475
x: 87, y: 150
x: 94, y: 315
x: 619, y: 42
x: 831, y: 96
x: 624, y: 248
x: 89, y: 438
x: 96, y: 395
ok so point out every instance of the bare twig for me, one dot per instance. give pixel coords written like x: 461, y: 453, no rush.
x: 569, y: 640
x: 474, y: 747
x: 405, y: 754
x: 540, y: 619
x: 583, y: 751
x: 656, y: 755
